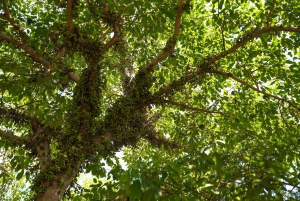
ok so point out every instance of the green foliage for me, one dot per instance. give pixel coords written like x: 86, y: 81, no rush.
x: 216, y: 120
x: 13, y: 184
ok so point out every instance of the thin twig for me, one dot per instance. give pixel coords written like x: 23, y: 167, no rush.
x: 223, y: 39
x: 250, y: 86
x: 191, y: 108
x: 270, y: 13
x: 249, y: 73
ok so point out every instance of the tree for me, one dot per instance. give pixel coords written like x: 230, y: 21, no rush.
x: 202, y: 97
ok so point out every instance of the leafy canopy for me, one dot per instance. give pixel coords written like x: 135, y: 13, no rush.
x: 202, y: 97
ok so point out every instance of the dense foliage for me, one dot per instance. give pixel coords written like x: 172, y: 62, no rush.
x: 202, y: 98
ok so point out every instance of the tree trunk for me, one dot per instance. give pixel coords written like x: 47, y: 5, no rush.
x: 54, y: 190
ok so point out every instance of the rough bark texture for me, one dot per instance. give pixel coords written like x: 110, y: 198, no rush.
x: 55, y: 190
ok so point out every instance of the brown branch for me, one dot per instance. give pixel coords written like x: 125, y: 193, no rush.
x: 12, y: 138
x: 269, y: 15
x: 103, y: 35
x: 62, y: 50
x: 6, y: 11
x: 31, y: 52
x: 168, y: 52
x: 7, y: 16
x: 246, y: 38
x: 115, y: 24
x: 41, y: 147
x: 177, y: 83
x: 2, y: 16
x: 60, y: 53
x: 14, y: 115
x: 223, y: 39
x: 69, y: 16
x: 250, y: 74
x: 73, y: 76
x: 230, y: 75
x: 190, y: 108
x: 240, y: 42
x: 114, y: 39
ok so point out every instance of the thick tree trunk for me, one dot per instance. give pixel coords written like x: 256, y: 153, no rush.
x: 55, y: 189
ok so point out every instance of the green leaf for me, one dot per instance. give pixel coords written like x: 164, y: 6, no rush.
x: 20, y: 175
x: 135, y: 189
x: 218, y: 161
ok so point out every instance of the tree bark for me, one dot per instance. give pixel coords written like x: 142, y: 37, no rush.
x: 54, y: 190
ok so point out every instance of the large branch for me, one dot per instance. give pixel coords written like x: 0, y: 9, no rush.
x: 12, y: 138
x: 240, y: 42
x: 162, y: 56
x: 30, y: 51
x: 230, y: 75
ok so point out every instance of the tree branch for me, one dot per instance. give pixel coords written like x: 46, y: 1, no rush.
x: 190, y: 108
x: 15, y: 116
x: 2, y: 16
x: 250, y: 86
x: 177, y: 83
x: 271, y: 10
x: 73, y: 76
x: 7, y: 16
x: 114, y: 39
x: 39, y: 145
x: 168, y: 52
x: 115, y: 24
x: 69, y: 16
x: 239, y: 43
x: 12, y: 138
x: 6, y: 11
x: 103, y: 35
x: 31, y: 52
x: 250, y: 74
x: 223, y: 39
